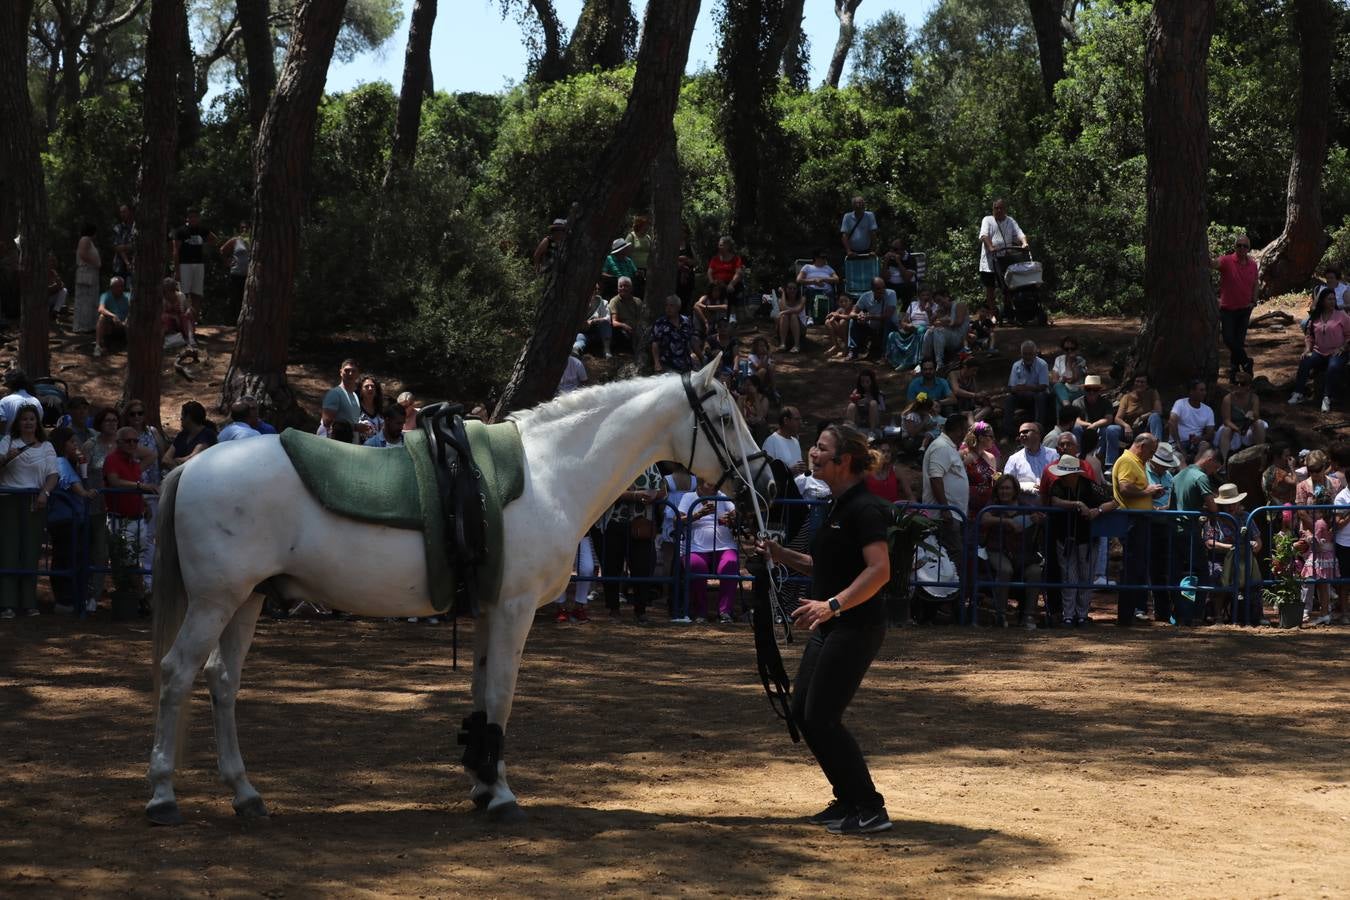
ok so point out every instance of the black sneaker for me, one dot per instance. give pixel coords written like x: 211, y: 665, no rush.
x: 833, y: 814
x: 867, y: 821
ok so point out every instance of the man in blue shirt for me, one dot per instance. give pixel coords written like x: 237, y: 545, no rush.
x: 876, y: 310
x: 939, y: 390
x: 858, y: 230
x: 1028, y: 388
x: 113, y: 308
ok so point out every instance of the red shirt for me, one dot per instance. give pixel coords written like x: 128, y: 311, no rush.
x: 724, y: 270
x: 887, y: 488
x: 126, y: 468
x: 1237, y: 281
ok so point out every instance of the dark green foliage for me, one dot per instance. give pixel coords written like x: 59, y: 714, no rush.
x: 883, y: 60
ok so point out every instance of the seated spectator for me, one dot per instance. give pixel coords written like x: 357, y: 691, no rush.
x: 68, y: 506
x: 1028, y: 389
x: 672, y: 344
x: 1240, y: 411
x: 939, y: 390
x: 1139, y: 410
x: 980, y: 335
x: 754, y: 405
x: 113, y: 307
x: 1066, y: 422
x: 391, y: 428
x: 837, y: 323
x: 1331, y: 275
x: 969, y: 398
x: 904, y: 345
x: 723, y: 340
x: 194, y: 435
x: 18, y: 394
x: 1082, y: 499
x: 618, y: 264
x: 977, y: 451
x: 255, y: 421
x: 238, y: 429
x: 790, y: 318
x: 891, y: 480
x: 876, y: 310
x: 728, y: 269
x: 625, y: 314
x: 1068, y: 373
x: 712, y: 549
x: 573, y: 376
x: 710, y: 307
x: 598, y: 322
x: 1191, y: 423
x: 177, y: 314
x: 1028, y: 464
x: 947, y: 329
x: 27, y: 462
x: 900, y: 271
x: 761, y: 363
x: 1008, y: 537
x: 1095, y: 415
x: 342, y: 431
x: 865, y: 402
x: 818, y: 282
x: 919, y: 426
x: 1325, y: 346
x: 686, y: 269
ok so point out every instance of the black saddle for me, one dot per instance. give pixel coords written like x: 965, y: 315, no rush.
x: 460, y: 487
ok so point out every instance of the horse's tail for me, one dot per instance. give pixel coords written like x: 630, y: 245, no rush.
x: 168, y: 593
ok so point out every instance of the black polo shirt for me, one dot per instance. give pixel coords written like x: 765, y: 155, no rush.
x: 855, y: 519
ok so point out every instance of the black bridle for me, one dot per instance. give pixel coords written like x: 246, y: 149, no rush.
x: 731, y: 466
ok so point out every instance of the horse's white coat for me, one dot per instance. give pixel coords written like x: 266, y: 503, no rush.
x: 241, y: 516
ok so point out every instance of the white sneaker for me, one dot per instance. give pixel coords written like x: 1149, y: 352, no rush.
x: 1326, y: 404
x: 98, y: 350
x: 1295, y: 398
x: 1099, y: 581
x: 732, y: 318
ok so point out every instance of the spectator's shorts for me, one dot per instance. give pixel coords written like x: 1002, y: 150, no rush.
x: 191, y: 278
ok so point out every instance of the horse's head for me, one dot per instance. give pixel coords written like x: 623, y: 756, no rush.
x: 722, y: 449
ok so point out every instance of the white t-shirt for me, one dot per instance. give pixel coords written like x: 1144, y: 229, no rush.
x: 1001, y: 234
x: 918, y: 315
x: 811, y: 487
x: 10, y: 404
x: 811, y: 270
x: 787, y: 449
x: 30, y: 468
x: 860, y: 238
x: 573, y: 377
x: 1191, y: 420
x: 706, y: 533
x: 943, y: 460
x: 1343, y: 535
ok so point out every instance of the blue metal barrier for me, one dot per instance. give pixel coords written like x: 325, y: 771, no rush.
x: 1262, y: 522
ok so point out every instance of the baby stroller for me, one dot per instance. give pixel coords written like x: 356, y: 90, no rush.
x: 934, y: 579
x: 1021, y: 277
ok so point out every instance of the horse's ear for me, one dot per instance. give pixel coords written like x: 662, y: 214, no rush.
x: 704, y: 378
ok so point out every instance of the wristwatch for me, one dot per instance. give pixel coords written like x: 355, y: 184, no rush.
x: 835, y: 608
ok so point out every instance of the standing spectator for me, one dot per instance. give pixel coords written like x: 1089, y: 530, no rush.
x: 129, y: 514
x: 784, y: 445
x: 1326, y: 343
x: 866, y: 403
x: 672, y: 340
x: 340, y: 403
x: 106, y: 421
x: 630, y: 539
x: 27, y: 462
x: 1191, y: 423
x: 177, y: 314
x: 391, y: 428
x: 546, y: 253
x: 1240, y: 412
x: 900, y: 270
x: 858, y: 230
x: 1028, y: 464
x: 65, y: 511
x: 152, y: 444
x: 1007, y: 535
x: 977, y: 451
x: 1161, y: 470
x: 195, y: 435
x: 1139, y: 410
x: 819, y: 281
x: 1028, y: 388
x: 1232, y: 560
x: 640, y: 244
x: 18, y: 394
x: 712, y: 549
x: 113, y: 308
x: 235, y: 253
x: 124, y: 243
x: 370, y: 393
x: 598, y: 323
x: 77, y: 419
x: 574, y: 373
x: 56, y: 289
x: 87, y: 266
x: 1342, y: 551
x: 945, y: 483
x: 728, y: 269
x: 238, y: 429
x: 189, y: 257
x: 998, y: 232
x: 1193, y: 490
x: 618, y: 265
x: 1131, y: 489
x: 790, y: 318
x: 1082, y: 501
x: 1068, y: 373
x: 625, y: 314
x: 1238, y: 286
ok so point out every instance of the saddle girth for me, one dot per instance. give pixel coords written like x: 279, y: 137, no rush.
x: 461, y: 490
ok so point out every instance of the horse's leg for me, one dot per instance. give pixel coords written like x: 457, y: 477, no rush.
x: 506, y: 642
x: 178, y: 669
x: 223, y: 670
x: 481, y: 792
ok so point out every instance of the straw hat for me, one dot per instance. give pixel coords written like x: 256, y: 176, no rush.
x: 1229, y: 494
x: 619, y: 245
x: 1165, y: 456
x: 1067, y: 465
x: 1092, y: 381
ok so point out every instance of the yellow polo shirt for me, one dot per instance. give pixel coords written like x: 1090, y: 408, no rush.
x: 1130, y: 468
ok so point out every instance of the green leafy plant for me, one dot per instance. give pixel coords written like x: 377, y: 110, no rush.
x: 1288, y: 585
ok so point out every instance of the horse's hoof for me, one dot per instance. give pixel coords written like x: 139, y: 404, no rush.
x: 507, y: 814
x: 481, y: 801
x: 252, y: 808
x: 164, y: 813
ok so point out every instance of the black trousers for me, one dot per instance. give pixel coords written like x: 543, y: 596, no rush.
x: 833, y: 664
x: 1233, y: 326
x: 1136, y: 568
x: 616, y: 550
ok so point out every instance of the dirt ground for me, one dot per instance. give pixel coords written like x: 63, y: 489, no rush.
x: 1145, y: 763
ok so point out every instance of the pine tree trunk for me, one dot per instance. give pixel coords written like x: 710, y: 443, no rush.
x: 416, y: 73
x: 793, y: 14
x: 843, y: 10
x: 281, y: 160
x: 159, y: 144
x: 550, y: 67
x: 1047, y: 17
x: 1288, y: 262
x: 23, y: 183
x: 601, y: 210
x: 259, y: 56
x: 1179, y: 338
x: 667, y: 205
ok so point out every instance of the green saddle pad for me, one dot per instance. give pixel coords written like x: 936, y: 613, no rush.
x: 397, y: 487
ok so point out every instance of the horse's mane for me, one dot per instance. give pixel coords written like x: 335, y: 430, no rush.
x: 586, y: 400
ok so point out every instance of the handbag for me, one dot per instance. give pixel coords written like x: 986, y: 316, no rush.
x: 641, y: 528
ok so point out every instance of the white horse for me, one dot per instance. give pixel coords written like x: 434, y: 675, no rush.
x: 248, y: 523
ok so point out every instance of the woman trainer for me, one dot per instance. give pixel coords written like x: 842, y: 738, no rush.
x: 849, y: 563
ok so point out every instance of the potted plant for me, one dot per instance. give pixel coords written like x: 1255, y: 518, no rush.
x: 1287, y: 591
x: 124, y: 558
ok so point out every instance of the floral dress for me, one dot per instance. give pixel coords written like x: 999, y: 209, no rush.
x: 980, y: 473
